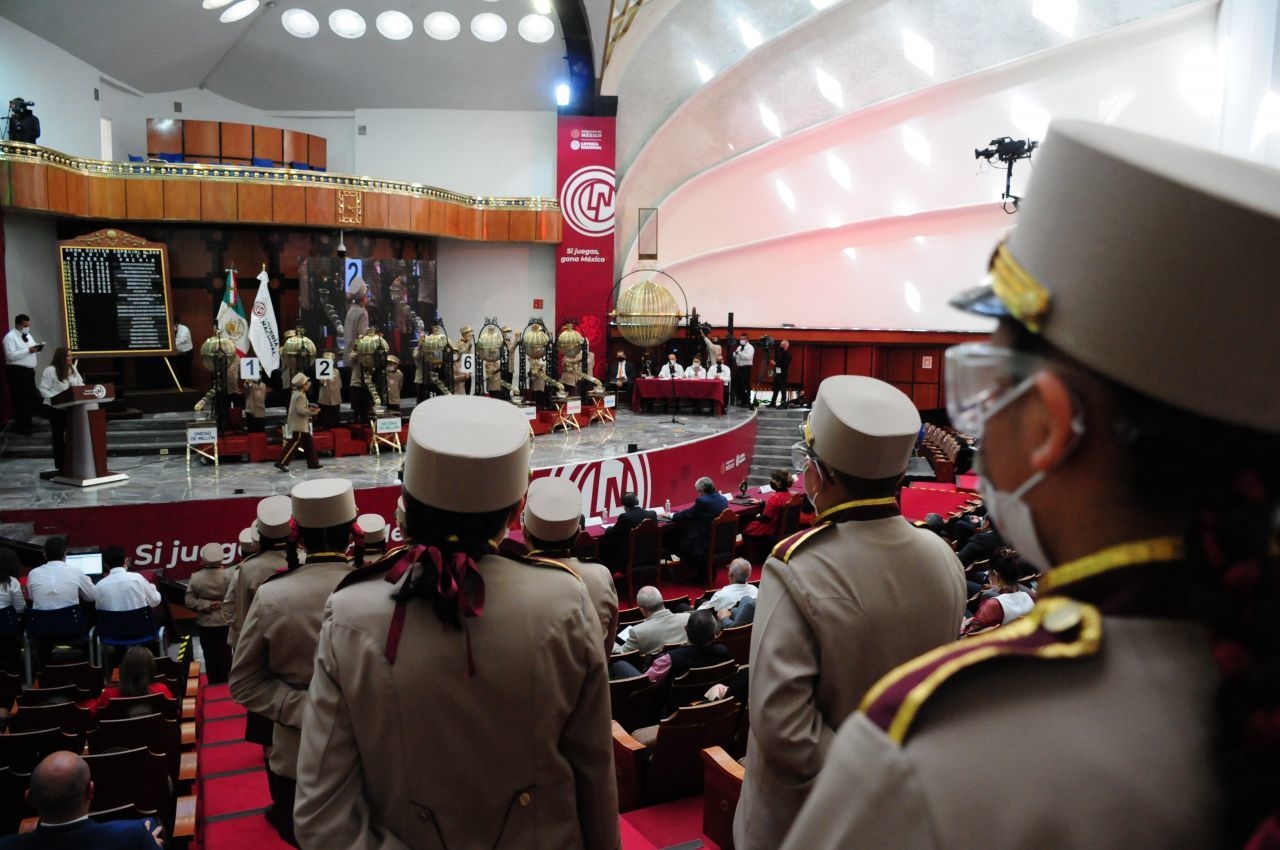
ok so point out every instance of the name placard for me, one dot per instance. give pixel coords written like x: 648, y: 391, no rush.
x: 202, y: 436
x: 573, y: 406
x: 387, y: 425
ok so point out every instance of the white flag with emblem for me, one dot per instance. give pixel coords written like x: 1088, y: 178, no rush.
x: 264, y: 333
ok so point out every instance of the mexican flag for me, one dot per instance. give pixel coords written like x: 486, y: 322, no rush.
x: 231, y: 318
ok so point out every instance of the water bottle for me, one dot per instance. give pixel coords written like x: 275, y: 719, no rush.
x: 666, y: 508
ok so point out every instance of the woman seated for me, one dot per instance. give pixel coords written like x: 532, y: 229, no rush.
x: 12, y: 604
x: 1010, y: 600
x: 759, y: 535
x: 137, y: 672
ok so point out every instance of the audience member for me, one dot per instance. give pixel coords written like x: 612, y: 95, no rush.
x: 448, y: 655
x: 695, y: 369
x: 742, y: 614
x: 12, y: 604
x: 700, y: 630
x: 614, y: 544
x: 61, y: 792
x: 552, y: 520
x: 659, y: 626
x: 936, y: 524
x: 137, y: 679
x: 672, y: 368
x: 54, y: 585
x: 980, y: 546
x: 205, y: 591
x: 274, y: 655
x: 735, y: 591
x: 842, y: 603
x: 1009, y: 602
x: 122, y: 590
x: 698, y: 518
x: 761, y: 533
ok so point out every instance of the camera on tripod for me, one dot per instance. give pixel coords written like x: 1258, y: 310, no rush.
x: 24, y: 126
x: 1006, y: 149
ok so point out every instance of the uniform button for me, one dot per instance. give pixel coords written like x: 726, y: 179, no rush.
x: 526, y: 798
x: 1064, y: 616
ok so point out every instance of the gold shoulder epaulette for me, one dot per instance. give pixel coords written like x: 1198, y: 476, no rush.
x: 787, y: 547
x: 1056, y: 628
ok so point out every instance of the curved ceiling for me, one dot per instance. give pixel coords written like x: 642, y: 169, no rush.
x: 170, y: 45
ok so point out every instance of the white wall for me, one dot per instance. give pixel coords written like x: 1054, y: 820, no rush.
x: 480, y: 280
x: 60, y: 84
x: 472, y: 151
x: 34, y: 286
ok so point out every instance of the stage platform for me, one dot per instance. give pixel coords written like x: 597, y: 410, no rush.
x: 167, y: 510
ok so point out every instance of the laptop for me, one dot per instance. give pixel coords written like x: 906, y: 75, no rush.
x: 86, y: 559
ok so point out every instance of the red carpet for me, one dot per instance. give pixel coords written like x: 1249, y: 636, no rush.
x: 918, y: 501
x: 230, y: 758
x: 218, y: 730
x: 670, y: 823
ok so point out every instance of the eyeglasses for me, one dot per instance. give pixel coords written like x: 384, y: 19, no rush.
x: 983, y: 378
x: 802, y: 456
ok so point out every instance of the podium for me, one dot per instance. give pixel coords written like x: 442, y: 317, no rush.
x: 86, y: 462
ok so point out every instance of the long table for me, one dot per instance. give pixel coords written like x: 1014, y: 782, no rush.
x: 660, y: 389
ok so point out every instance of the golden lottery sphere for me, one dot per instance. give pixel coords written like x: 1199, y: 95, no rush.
x: 367, y: 348
x: 217, y: 348
x: 647, y: 314
x: 535, y: 341
x: 433, y: 346
x: 570, y: 342
x: 297, y: 351
x: 489, y: 343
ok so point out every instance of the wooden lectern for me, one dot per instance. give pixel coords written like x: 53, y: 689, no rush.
x: 86, y: 462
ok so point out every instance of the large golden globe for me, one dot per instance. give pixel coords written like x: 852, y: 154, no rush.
x: 647, y: 314
x: 535, y: 341
x: 367, y: 348
x: 214, y: 346
x: 570, y: 342
x: 433, y: 346
x: 489, y: 343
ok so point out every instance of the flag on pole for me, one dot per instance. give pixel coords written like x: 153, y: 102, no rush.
x: 264, y: 333
x: 231, y: 320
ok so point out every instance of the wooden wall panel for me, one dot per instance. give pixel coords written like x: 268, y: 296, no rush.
x: 322, y: 206
x: 268, y: 143
x: 896, y: 366
x: 201, y: 141
x: 926, y: 365
x: 295, y: 147
x: 452, y: 221
x: 77, y: 193
x: 237, y: 141
x: 496, y: 224
x: 56, y: 180
x: 164, y: 135
x: 523, y: 225
x: 30, y: 185
x: 925, y: 396
x: 254, y: 201
x: 375, y: 210
x: 831, y: 361
x: 858, y: 360
x: 144, y: 199
x: 423, y: 213
x: 549, y: 225
x: 469, y: 225
x: 318, y: 151
x: 289, y: 204
x: 218, y: 201
x: 399, y: 212
x: 106, y: 197
x: 182, y: 200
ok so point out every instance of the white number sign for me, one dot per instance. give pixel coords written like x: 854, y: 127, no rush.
x: 467, y: 362
x: 324, y: 369
x: 249, y: 369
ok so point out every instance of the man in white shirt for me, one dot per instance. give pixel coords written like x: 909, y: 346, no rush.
x: 185, y: 347
x: 54, y: 584
x: 743, y: 357
x: 20, y: 366
x: 735, y: 591
x: 695, y: 370
x: 671, y: 369
x: 121, y: 590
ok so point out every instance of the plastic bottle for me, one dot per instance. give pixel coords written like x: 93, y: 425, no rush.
x: 666, y: 508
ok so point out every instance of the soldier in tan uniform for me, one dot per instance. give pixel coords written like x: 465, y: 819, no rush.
x: 255, y: 406
x: 273, y: 659
x: 841, y: 603
x: 460, y: 696
x: 395, y: 382
x: 330, y: 396
x: 205, y: 590
x: 373, y: 536
x: 552, y: 520
x: 1129, y: 435
x: 464, y: 345
x: 297, y: 426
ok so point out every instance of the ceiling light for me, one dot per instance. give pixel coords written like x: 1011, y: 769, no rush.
x: 300, y: 23
x: 214, y: 4
x: 829, y: 87
x: 542, y: 7
x: 770, y: 121
x: 851, y: 253
x: 487, y: 26
x: 1110, y: 107
x: 536, y: 29
x: 916, y: 145
x: 904, y: 207
x: 441, y: 26
x: 919, y: 240
x: 912, y: 295
x: 751, y: 36
x: 1030, y: 119
x: 821, y: 4
x: 785, y: 194
x: 839, y: 171
x: 239, y: 11
x: 918, y: 51
x: 562, y: 95
x: 1200, y: 80
x: 1267, y: 119
x: 1059, y: 14
x: 394, y: 25
x: 704, y: 73
x: 346, y: 23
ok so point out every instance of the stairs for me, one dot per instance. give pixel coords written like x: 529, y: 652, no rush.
x: 776, y: 431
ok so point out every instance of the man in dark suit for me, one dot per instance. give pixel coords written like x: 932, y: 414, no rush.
x: 709, y: 505
x: 621, y: 375
x: 61, y: 792
x: 614, y: 547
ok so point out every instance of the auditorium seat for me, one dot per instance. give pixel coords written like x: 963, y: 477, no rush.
x: 738, y: 641
x: 671, y: 769
x: 82, y: 674
x: 721, y: 788
x: 631, y: 701
x: 66, y: 716
x: 692, y: 685
x: 21, y: 751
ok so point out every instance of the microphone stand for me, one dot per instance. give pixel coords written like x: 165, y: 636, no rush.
x: 671, y: 376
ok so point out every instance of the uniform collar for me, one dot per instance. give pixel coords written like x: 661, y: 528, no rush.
x: 1140, y: 578
x: 861, y: 510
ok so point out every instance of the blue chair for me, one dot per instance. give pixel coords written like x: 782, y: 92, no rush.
x: 127, y: 628
x: 299, y: 166
x: 135, y: 158
x: 259, y: 162
x: 47, y: 630
x: 170, y: 157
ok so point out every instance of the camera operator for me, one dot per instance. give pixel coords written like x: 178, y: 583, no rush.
x: 24, y: 126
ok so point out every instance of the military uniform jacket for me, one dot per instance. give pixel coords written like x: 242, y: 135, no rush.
x: 299, y: 418
x: 602, y: 592
x: 255, y: 399
x: 414, y: 754
x: 205, y: 587
x: 395, y: 379
x: 331, y: 390
x: 840, y: 605
x: 243, y: 581
x: 1086, y: 731
x: 275, y: 654
x: 353, y: 327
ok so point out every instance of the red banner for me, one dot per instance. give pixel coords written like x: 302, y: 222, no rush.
x: 169, y: 535
x: 586, y: 185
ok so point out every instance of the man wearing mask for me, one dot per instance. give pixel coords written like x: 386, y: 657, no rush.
x: 721, y: 372
x: 744, y: 356
x: 20, y: 350
x: 621, y: 374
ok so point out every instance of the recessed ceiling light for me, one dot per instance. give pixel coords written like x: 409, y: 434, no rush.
x: 300, y: 23
x: 239, y: 11
x: 821, y: 4
x: 442, y: 26
x: 912, y: 296
x: 346, y: 23
x: 839, y: 171
x: 751, y: 36
x: 394, y: 25
x: 1059, y: 14
x: 918, y: 51
x: 851, y: 253
x: 829, y: 87
x: 487, y: 26
x: 562, y: 95
x: 770, y: 120
x: 214, y: 4
x: 916, y: 145
x: 704, y: 73
x: 542, y: 7
x: 785, y: 195
x: 536, y: 28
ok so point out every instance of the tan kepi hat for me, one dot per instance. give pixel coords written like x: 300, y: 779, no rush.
x: 467, y: 454
x: 393, y: 359
x: 211, y: 554
x: 553, y: 510
x: 1151, y: 263
x: 274, y: 513
x: 373, y: 526
x: 298, y: 380
x: 862, y: 427
x: 248, y: 539
x: 323, y: 503
x: 358, y: 287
